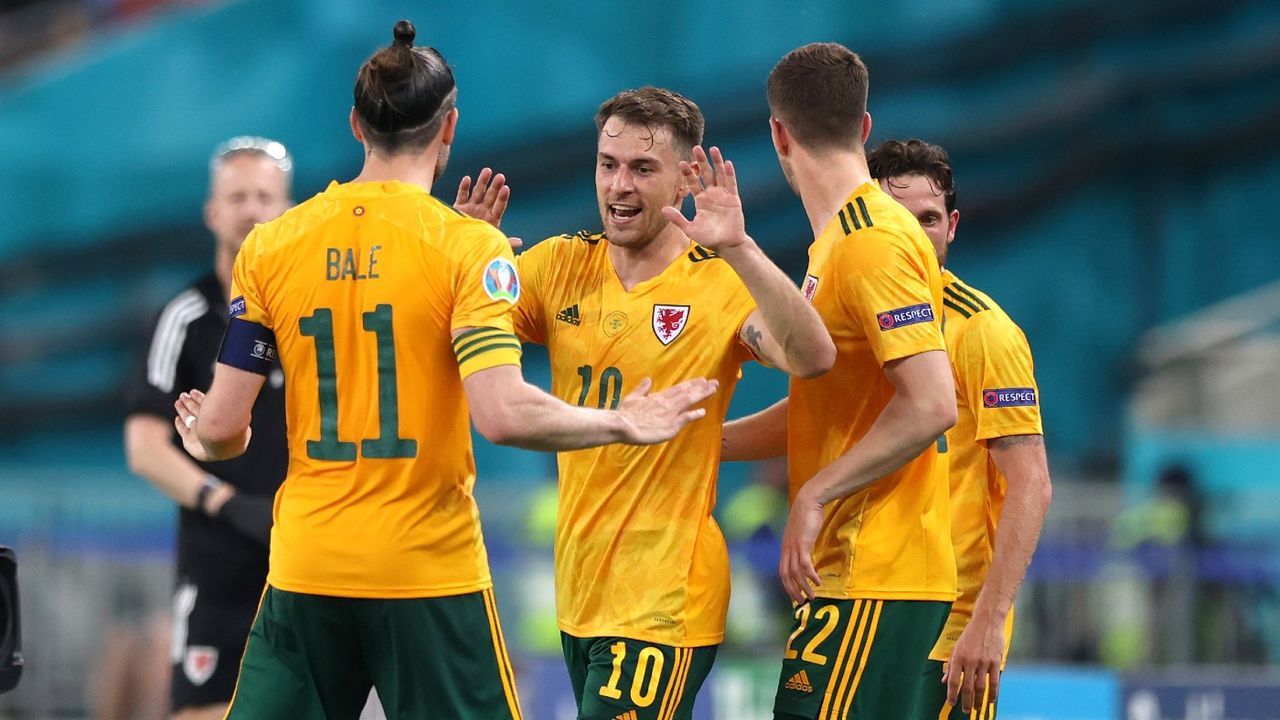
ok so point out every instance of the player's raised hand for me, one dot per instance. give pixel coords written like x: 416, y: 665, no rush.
x: 972, y: 674
x: 657, y: 417
x: 486, y: 199
x: 188, y: 407
x: 717, y: 222
x: 795, y: 568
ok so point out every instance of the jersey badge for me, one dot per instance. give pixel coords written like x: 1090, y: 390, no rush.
x: 237, y: 307
x: 810, y: 287
x: 909, y: 315
x: 199, y: 663
x: 669, y: 321
x: 1009, y: 397
x: 501, y: 281
x: 614, y: 323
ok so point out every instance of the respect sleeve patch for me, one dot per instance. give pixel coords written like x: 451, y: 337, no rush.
x: 1009, y: 397
x: 909, y: 315
x: 248, y: 346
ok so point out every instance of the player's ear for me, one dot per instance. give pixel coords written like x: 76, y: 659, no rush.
x: 450, y: 127
x: 781, y: 139
x: 355, y: 127
x: 866, y: 127
x: 951, y: 231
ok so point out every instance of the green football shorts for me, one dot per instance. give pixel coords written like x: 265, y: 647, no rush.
x: 618, y: 678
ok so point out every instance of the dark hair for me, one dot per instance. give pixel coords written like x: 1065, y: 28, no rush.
x: 819, y: 92
x: 895, y: 158
x: 403, y: 93
x: 656, y: 108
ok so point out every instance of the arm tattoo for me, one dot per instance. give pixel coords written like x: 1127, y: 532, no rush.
x: 1011, y: 440
x: 753, y: 339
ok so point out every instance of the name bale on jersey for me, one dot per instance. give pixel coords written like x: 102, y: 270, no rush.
x: 1009, y: 397
x: 909, y: 315
x: 341, y: 265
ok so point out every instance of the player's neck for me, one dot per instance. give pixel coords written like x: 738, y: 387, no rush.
x: 635, y: 265
x: 825, y: 181
x: 414, y: 169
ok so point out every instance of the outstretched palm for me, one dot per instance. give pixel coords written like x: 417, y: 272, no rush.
x: 717, y: 222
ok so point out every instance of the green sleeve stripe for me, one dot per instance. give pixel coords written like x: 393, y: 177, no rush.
x: 472, y: 332
x: 464, y: 342
x: 956, y: 307
x: 862, y: 205
x: 486, y: 348
x: 961, y: 299
x: 844, y: 222
x: 970, y: 294
x: 853, y: 216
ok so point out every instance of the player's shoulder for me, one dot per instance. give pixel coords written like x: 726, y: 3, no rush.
x: 875, y: 224
x: 565, y: 247
x: 193, y: 301
x: 977, y: 313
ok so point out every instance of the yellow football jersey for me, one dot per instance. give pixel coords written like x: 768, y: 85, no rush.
x: 363, y: 286
x: 638, y: 554
x: 874, y: 279
x: 996, y: 396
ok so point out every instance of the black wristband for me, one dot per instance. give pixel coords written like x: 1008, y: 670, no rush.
x: 211, y: 483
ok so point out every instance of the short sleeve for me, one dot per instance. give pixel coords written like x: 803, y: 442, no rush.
x: 486, y: 290
x: 249, y: 343
x: 530, y: 318
x: 159, y: 375
x: 997, y: 377
x: 885, y: 286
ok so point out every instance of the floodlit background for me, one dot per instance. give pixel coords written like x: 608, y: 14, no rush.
x: 1118, y: 167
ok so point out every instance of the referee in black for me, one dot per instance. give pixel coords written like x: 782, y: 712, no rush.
x: 225, y: 508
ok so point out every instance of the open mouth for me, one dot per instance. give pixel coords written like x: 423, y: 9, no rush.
x: 623, y: 214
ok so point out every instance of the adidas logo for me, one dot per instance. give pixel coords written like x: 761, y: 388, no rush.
x: 799, y: 681
x: 628, y: 715
x: 571, y: 316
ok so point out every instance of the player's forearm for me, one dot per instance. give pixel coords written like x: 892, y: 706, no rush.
x: 535, y: 420
x: 222, y: 440
x: 801, y: 344
x: 152, y: 456
x: 1021, y: 459
x: 759, y: 436
x: 902, y: 431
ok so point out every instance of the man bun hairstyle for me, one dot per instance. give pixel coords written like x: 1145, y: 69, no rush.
x: 403, y: 93
x: 655, y: 108
x: 896, y: 158
x: 819, y: 93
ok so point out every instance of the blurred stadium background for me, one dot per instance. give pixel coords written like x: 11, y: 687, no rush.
x: 1118, y: 166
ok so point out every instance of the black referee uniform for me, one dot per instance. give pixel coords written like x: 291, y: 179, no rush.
x: 222, y: 565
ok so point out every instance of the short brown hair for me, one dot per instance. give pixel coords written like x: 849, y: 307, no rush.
x: 895, y: 158
x: 654, y: 108
x: 819, y: 92
x: 403, y: 94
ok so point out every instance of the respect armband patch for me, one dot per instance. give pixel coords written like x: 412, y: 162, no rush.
x: 1009, y: 397
x: 248, y: 346
x: 909, y: 315
x: 238, y: 307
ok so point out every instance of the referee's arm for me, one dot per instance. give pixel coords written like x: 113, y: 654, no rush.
x: 152, y: 455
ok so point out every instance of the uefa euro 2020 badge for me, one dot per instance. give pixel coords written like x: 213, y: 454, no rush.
x: 501, y: 281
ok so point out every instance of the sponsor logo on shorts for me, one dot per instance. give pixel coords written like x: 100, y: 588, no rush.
x: 1009, y: 397
x: 237, y: 307
x: 501, y: 281
x: 799, y: 682
x: 199, y: 663
x: 910, y: 315
x: 628, y: 715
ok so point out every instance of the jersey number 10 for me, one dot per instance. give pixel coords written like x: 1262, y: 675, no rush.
x: 388, y: 444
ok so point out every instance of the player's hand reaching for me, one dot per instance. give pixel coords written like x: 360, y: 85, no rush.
x: 795, y: 568
x: 973, y: 672
x: 717, y: 222
x: 188, y: 407
x: 486, y: 199
x: 657, y: 417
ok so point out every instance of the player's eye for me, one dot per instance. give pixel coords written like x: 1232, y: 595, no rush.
x: 607, y: 164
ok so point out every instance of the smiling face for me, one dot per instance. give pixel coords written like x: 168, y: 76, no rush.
x: 637, y: 174
x: 920, y: 195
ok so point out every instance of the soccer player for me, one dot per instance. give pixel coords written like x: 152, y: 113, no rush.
x: 224, y: 517
x: 866, y: 553
x: 391, y: 315
x: 642, y: 570
x: 1000, y: 489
